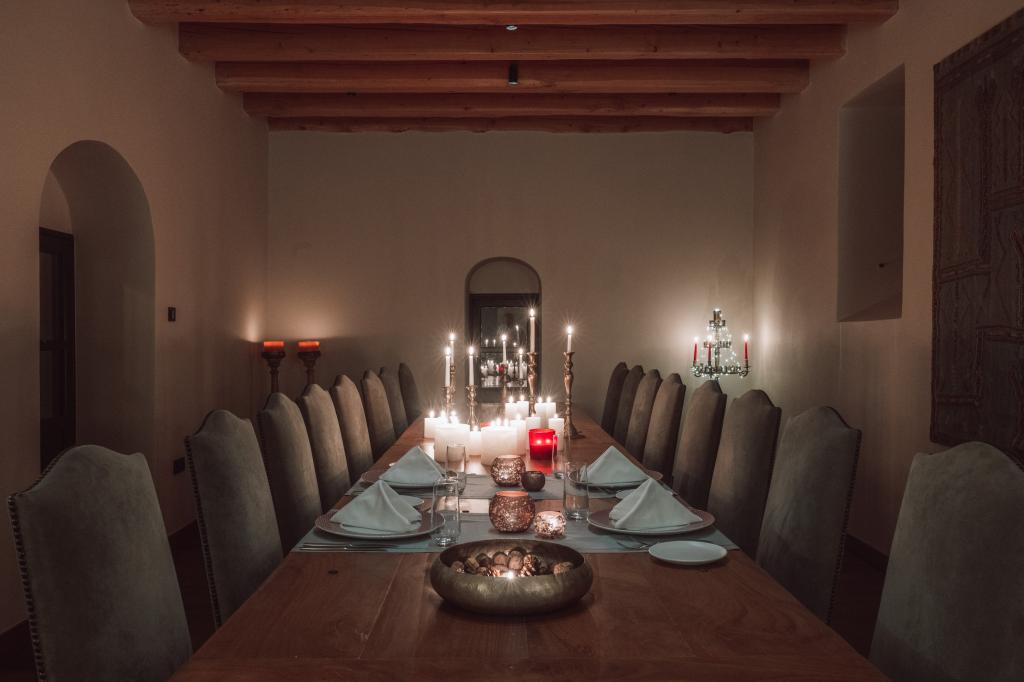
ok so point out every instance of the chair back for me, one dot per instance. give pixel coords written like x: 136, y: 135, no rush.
x: 100, y: 588
x: 355, y: 434
x: 234, y: 509
x: 804, y: 526
x: 953, y: 602
x: 612, y: 397
x: 410, y: 393
x: 743, y: 469
x: 659, y: 451
x: 396, y: 404
x: 289, y: 463
x: 630, y: 385
x: 378, y: 414
x: 325, y: 441
x: 698, y: 446
x: 640, y: 418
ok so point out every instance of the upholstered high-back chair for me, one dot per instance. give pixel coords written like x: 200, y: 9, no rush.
x: 698, y: 446
x: 640, y: 418
x: 804, y: 526
x: 659, y: 453
x: 378, y: 413
x: 355, y: 434
x: 396, y: 404
x: 953, y: 602
x: 630, y: 385
x: 234, y: 509
x: 410, y: 393
x: 743, y: 469
x: 325, y: 441
x: 612, y: 397
x: 289, y: 462
x: 100, y: 587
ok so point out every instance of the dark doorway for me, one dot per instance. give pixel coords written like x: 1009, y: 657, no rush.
x: 56, y: 343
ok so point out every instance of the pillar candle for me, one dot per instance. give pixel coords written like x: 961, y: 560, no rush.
x: 523, y: 407
x: 496, y: 440
x: 558, y: 425
x: 533, y: 320
x: 511, y: 409
x: 430, y: 423
x: 519, y: 424
x: 532, y: 423
x: 475, y: 442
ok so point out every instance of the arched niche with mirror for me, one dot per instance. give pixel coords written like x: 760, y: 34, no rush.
x: 499, y: 295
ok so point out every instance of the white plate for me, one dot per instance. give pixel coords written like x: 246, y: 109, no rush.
x: 688, y: 552
x: 599, y: 519
x: 325, y: 524
x: 656, y: 475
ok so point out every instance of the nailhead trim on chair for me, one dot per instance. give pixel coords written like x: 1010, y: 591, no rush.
x: 201, y: 523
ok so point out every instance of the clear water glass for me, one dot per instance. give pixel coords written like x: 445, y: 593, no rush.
x: 456, y: 463
x: 576, y: 496
x: 444, y: 512
x: 558, y: 459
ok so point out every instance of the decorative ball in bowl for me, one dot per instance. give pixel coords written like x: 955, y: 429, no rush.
x: 511, y: 577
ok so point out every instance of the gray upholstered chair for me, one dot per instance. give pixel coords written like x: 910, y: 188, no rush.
x: 659, y: 452
x: 354, y: 432
x: 378, y: 413
x: 630, y: 385
x: 393, y: 390
x: 640, y: 418
x: 410, y: 393
x: 325, y: 441
x: 698, y: 446
x: 953, y: 602
x: 612, y: 397
x: 289, y: 462
x: 804, y: 527
x: 234, y: 508
x: 743, y: 469
x: 100, y: 587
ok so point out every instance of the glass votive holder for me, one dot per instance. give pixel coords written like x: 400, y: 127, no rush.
x: 549, y: 525
x: 511, y: 511
x: 507, y: 471
x: 533, y: 481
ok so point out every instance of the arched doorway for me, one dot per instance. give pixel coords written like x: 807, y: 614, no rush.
x: 499, y: 295
x: 92, y: 195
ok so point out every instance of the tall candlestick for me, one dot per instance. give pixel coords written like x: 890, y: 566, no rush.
x: 309, y: 351
x: 568, y: 343
x: 504, y: 348
x: 533, y: 322
x: 695, y: 342
x: 567, y: 376
x: 746, y: 347
x: 273, y: 353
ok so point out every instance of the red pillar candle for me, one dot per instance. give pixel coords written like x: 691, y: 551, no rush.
x: 273, y: 345
x: 542, y: 443
x: 307, y: 346
x: 695, y: 352
x: 746, y: 348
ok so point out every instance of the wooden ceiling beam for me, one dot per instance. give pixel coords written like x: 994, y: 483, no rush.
x: 537, y: 12
x: 632, y: 77
x: 502, y: 106
x: 648, y: 124
x: 266, y: 43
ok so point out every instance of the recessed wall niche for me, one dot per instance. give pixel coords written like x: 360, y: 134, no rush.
x: 871, y: 151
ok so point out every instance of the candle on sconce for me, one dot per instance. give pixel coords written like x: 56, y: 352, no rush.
x: 447, y: 366
x: 504, y: 348
x: 709, y: 351
x: 746, y: 347
x: 568, y: 343
x: 533, y: 322
x: 696, y: 341
x: 472, y: 363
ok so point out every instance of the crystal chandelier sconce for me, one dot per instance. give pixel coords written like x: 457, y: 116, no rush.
x: 715, y: 357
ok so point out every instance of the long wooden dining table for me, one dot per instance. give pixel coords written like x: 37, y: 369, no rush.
x: 374, y: 615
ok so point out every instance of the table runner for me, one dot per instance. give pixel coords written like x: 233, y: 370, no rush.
x: 579, y: 536
x: 481, y: 487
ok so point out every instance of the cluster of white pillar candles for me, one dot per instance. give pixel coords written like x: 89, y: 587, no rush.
x: 502, y: 438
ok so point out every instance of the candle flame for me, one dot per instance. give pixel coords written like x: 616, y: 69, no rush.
x: 504, y: 338
x: 533, y: 313
x: 447, y: 350
x: 746, y: 337
x: 472, y: 350
x: 451, y: 337
x: 431, y: 414
x: 568, y: 330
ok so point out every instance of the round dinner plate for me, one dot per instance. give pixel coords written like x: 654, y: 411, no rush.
x: 325, y: 524
x: 656, y: 475
x: 599, y: 519
x: 688, y: 552
x: 374, y: 476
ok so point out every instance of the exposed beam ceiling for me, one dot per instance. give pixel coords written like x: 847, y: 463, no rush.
x: 477, y: 65
x: 523, y: 13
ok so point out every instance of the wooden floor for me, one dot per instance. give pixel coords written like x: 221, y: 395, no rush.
x: 860, y: 588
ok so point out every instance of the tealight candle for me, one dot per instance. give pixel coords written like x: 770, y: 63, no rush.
x: 549, y: 525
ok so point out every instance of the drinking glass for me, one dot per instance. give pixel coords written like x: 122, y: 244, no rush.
x: 444, y: 512
x: 456, y: 464
x: 576, y: 496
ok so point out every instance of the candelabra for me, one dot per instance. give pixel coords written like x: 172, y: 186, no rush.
x: 273, y: 355
x: 567, y: 376
x: 531, y: 380
x: 503, y: 378
x: 471, y: 400
x: 717, y: 344
x: 309, y: 358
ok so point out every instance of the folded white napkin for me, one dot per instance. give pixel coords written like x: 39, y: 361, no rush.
x: 379, y: 510
x: 651, y: 507
x: 613, y: 467
x: 415, y: 467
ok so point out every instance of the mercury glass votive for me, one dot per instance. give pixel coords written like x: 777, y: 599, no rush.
x: 533, y: 481
x: 508, y: 471
x: 549, y: 525
x: 511, y: 511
